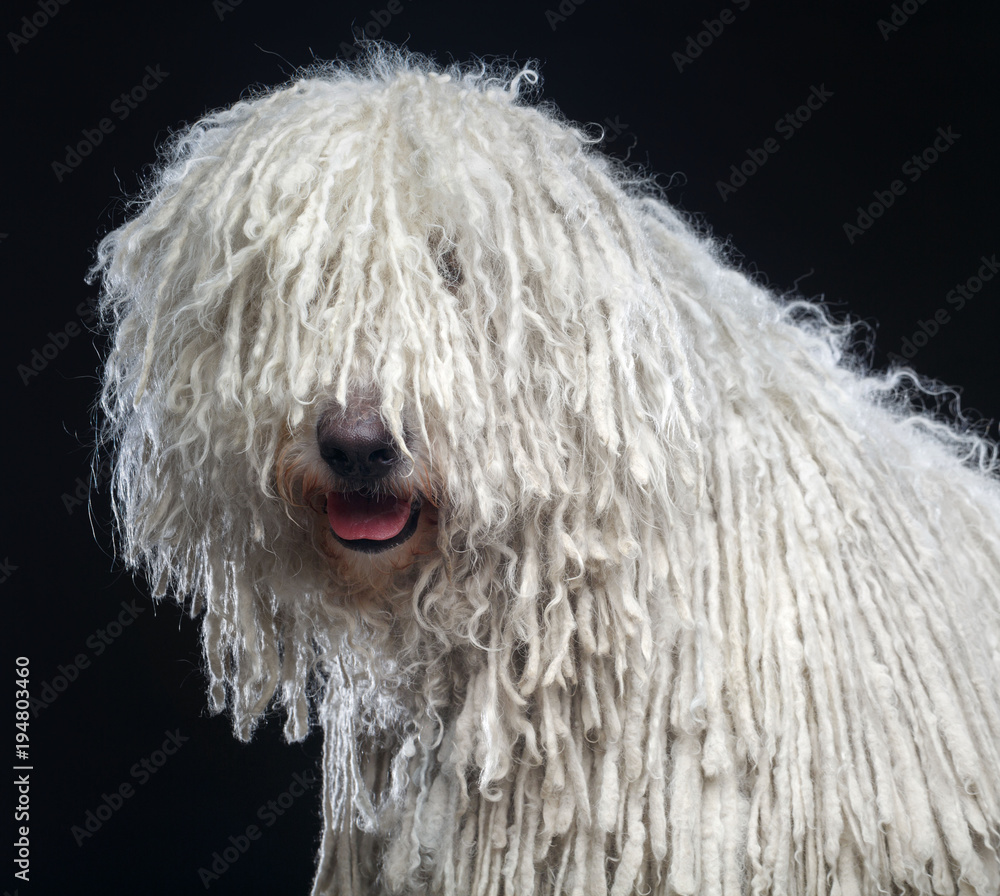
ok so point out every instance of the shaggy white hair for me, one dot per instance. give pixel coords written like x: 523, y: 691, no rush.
x: 697, y: 604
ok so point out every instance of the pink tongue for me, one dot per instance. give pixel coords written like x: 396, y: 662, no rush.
x: 355, y: 515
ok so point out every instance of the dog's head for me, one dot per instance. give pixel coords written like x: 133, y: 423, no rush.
x: 393, y: 348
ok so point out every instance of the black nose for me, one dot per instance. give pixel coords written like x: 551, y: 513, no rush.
x: 356, y: 444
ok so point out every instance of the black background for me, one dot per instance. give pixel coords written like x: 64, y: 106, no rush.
x: 602, y: 62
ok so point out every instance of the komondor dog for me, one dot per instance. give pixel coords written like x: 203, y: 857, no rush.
x: 603, y: 569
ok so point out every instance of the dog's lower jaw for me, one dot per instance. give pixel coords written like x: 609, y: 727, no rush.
x: 380, y: 577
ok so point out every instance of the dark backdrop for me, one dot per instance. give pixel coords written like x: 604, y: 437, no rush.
x: 689, y: 92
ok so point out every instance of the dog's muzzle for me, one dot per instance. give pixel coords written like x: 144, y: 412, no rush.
x: 366, y: 514
x: 371, y: 523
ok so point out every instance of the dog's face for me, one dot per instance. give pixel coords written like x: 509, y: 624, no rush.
x: 372, y: 371
x: 374, y: 502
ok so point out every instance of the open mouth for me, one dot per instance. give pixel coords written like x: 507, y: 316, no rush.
x: 371, y: 523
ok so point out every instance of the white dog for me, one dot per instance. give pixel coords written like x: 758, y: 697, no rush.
x: 605, y: 570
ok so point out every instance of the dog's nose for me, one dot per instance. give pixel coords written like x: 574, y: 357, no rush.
x: 357, y: 445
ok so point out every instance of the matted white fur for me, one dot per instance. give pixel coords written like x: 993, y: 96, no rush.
x: 707, y: 609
